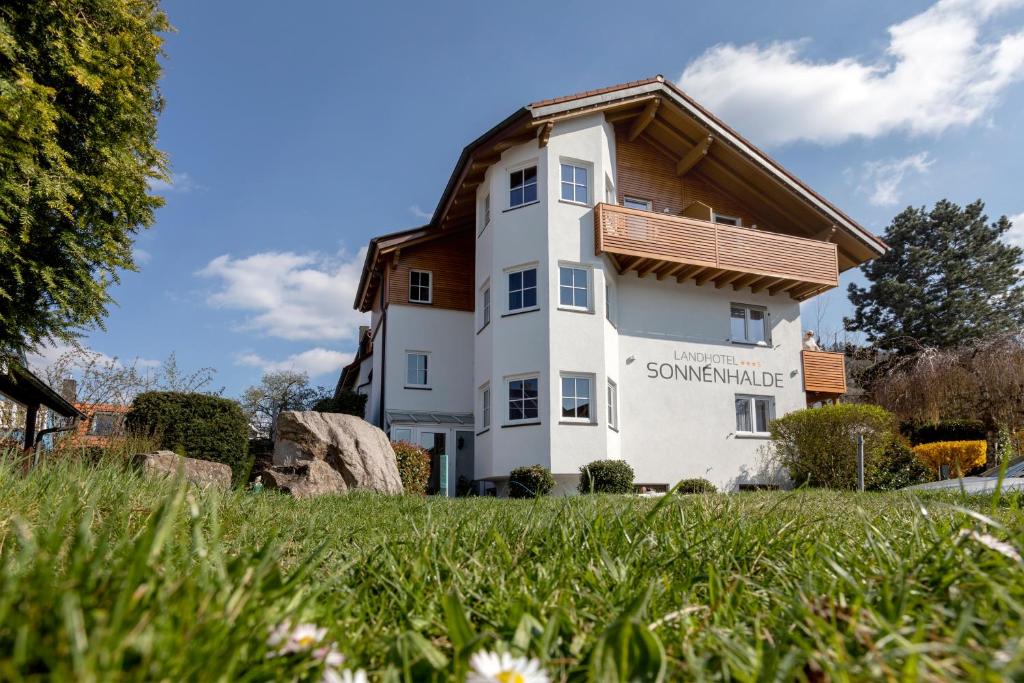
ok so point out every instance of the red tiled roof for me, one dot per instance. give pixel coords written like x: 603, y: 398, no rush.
x: 600, y: 91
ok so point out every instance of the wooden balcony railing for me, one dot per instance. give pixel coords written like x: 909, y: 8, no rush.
x: 686, y: 248
x: 824, y: 374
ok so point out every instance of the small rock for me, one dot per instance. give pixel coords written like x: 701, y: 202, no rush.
x: 200, y: 472
x: 314, y: 478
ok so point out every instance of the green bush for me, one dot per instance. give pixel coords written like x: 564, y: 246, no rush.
x: 897, y: 469
x: 698, y: 485
x: 818, y: 446
x: 413, y: 467
x: 196, y: 426
x: 946, y: 430
x: 606, y: 476
x: 532, y: 481
x: 347, y: 402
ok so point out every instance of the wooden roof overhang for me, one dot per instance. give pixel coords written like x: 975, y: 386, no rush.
x: 23, y: 386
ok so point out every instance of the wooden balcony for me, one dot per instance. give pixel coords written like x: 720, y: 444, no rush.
x: 824, y: 375
x: 688, y: 248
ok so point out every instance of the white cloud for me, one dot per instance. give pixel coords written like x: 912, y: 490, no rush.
x: 179, y: 182
x: 141, y: 256
x: 943, y: 67
x: 290, y: 296
x: 419, y: 213
x: 314, y: 362
x: 1016, y: 234
x: 882, y: 180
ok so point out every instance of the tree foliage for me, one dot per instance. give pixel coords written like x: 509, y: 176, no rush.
x: 278, y: 391
x: 78, y: 125
x: 949, y: 278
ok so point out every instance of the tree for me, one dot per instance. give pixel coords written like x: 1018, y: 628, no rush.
x: 948, y: 279
x: 278, y: 391
x: 78, y: 124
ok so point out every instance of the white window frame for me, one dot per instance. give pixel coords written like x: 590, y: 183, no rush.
x: 485, y: 406
x: 609, y: 190
x: 485, y: 304
x: 508, y: 291
x: 592, y: 399
x: 508, y: 184
x: 609, y: 300
x: 394, y: 435
x: 588, y: 169
x: 426, y: 369
x: 747, y: 339
x: 716, y: 218
x: 612, y: 398
x: 648, y: 206
x: 430, y: 286
x: 508, y: 399
x: 752, y: 400
x: 589, y: 271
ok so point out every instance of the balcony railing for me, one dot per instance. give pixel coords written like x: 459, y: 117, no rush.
x: 687, y: 248
x: 824, y: 373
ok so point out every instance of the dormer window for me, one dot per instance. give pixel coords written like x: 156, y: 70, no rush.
x: 419, y: 287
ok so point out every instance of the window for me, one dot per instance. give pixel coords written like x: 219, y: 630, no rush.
x: 523, y: 399
x: 401, y: 434
x: 522, y: 187
x: 574, y: 287
x: 613, y: 405
x: 748, y: 324
x: 608, y: 300
x: 485, y: 406
x: 105, y: 424
x: 522, y: 290
x: 574, y: 184
x: 753, y: 413
x: 609, y: 191
x: 487, y: 209
x: 485, y: 306
x: 634, y: 203
x: 726, y: 220
x: 416, y: 369
x: 577, y: 398
x: 419, y: 287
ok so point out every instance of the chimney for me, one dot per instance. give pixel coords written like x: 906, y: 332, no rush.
x: 69, y: 390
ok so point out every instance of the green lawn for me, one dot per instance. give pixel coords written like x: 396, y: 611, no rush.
x: 109, y: 576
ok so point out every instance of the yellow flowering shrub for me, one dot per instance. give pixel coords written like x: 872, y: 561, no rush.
x: 960, y: 456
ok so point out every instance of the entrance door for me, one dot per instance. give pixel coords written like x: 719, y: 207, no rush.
x: 464, y: 464
x: 436, y: 443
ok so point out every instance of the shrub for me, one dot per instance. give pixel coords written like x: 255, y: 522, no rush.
x: 960, y: 456
x: 697, y: 485
x: 606, y: 476
x: 818, y: 446
x: 897, y: 469
x: 413, y: 467
x: 532, y: 481
x: 946, y: 430
x: 196, y: 426
x: 347, y: 402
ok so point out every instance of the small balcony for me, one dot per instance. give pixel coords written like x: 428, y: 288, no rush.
x: 690, y: 248
x: 824, y: 375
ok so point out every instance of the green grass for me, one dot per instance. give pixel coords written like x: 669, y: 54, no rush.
x: 109, y: 576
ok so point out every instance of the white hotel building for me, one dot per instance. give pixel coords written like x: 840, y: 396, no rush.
x: 614, y: 274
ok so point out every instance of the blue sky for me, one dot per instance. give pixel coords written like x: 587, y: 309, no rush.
x: 297, y: 131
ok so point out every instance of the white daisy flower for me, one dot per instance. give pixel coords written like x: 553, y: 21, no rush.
x: 329, y: 655
x: 302, y: 638
x: 492, y: 667
x: 344, y: 676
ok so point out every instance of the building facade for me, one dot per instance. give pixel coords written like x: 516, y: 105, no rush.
x: 615, y: 274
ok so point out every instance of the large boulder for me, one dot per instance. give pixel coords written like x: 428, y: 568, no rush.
x: 359, y: 453
x: 313, y: 478
x: 200, y: 472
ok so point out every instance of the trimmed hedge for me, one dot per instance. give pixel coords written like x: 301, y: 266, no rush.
x: 946, y: 430
x: 960, y: 456
x: 606, y: 476
x: 897, y: 469
x: 194, y: 425
x: 413, y: 467
x: 532, y: 481
x: 698, y: 485
x: 818, y: 446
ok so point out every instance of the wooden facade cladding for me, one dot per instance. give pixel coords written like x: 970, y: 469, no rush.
x: 449, y: 259
x: 649, y: 242
x: 824, y: 373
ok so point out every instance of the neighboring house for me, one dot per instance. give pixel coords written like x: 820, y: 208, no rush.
x: 102, y: 422
x: 614, y: 274
x: 30, y: 410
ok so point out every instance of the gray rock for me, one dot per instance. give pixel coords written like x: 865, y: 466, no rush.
x: 314, y: 478
x: 200, y: 472
x: 354, y: 449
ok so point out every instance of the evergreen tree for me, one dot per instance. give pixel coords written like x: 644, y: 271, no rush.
x: 948, y: 279
x: 78, y: 124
